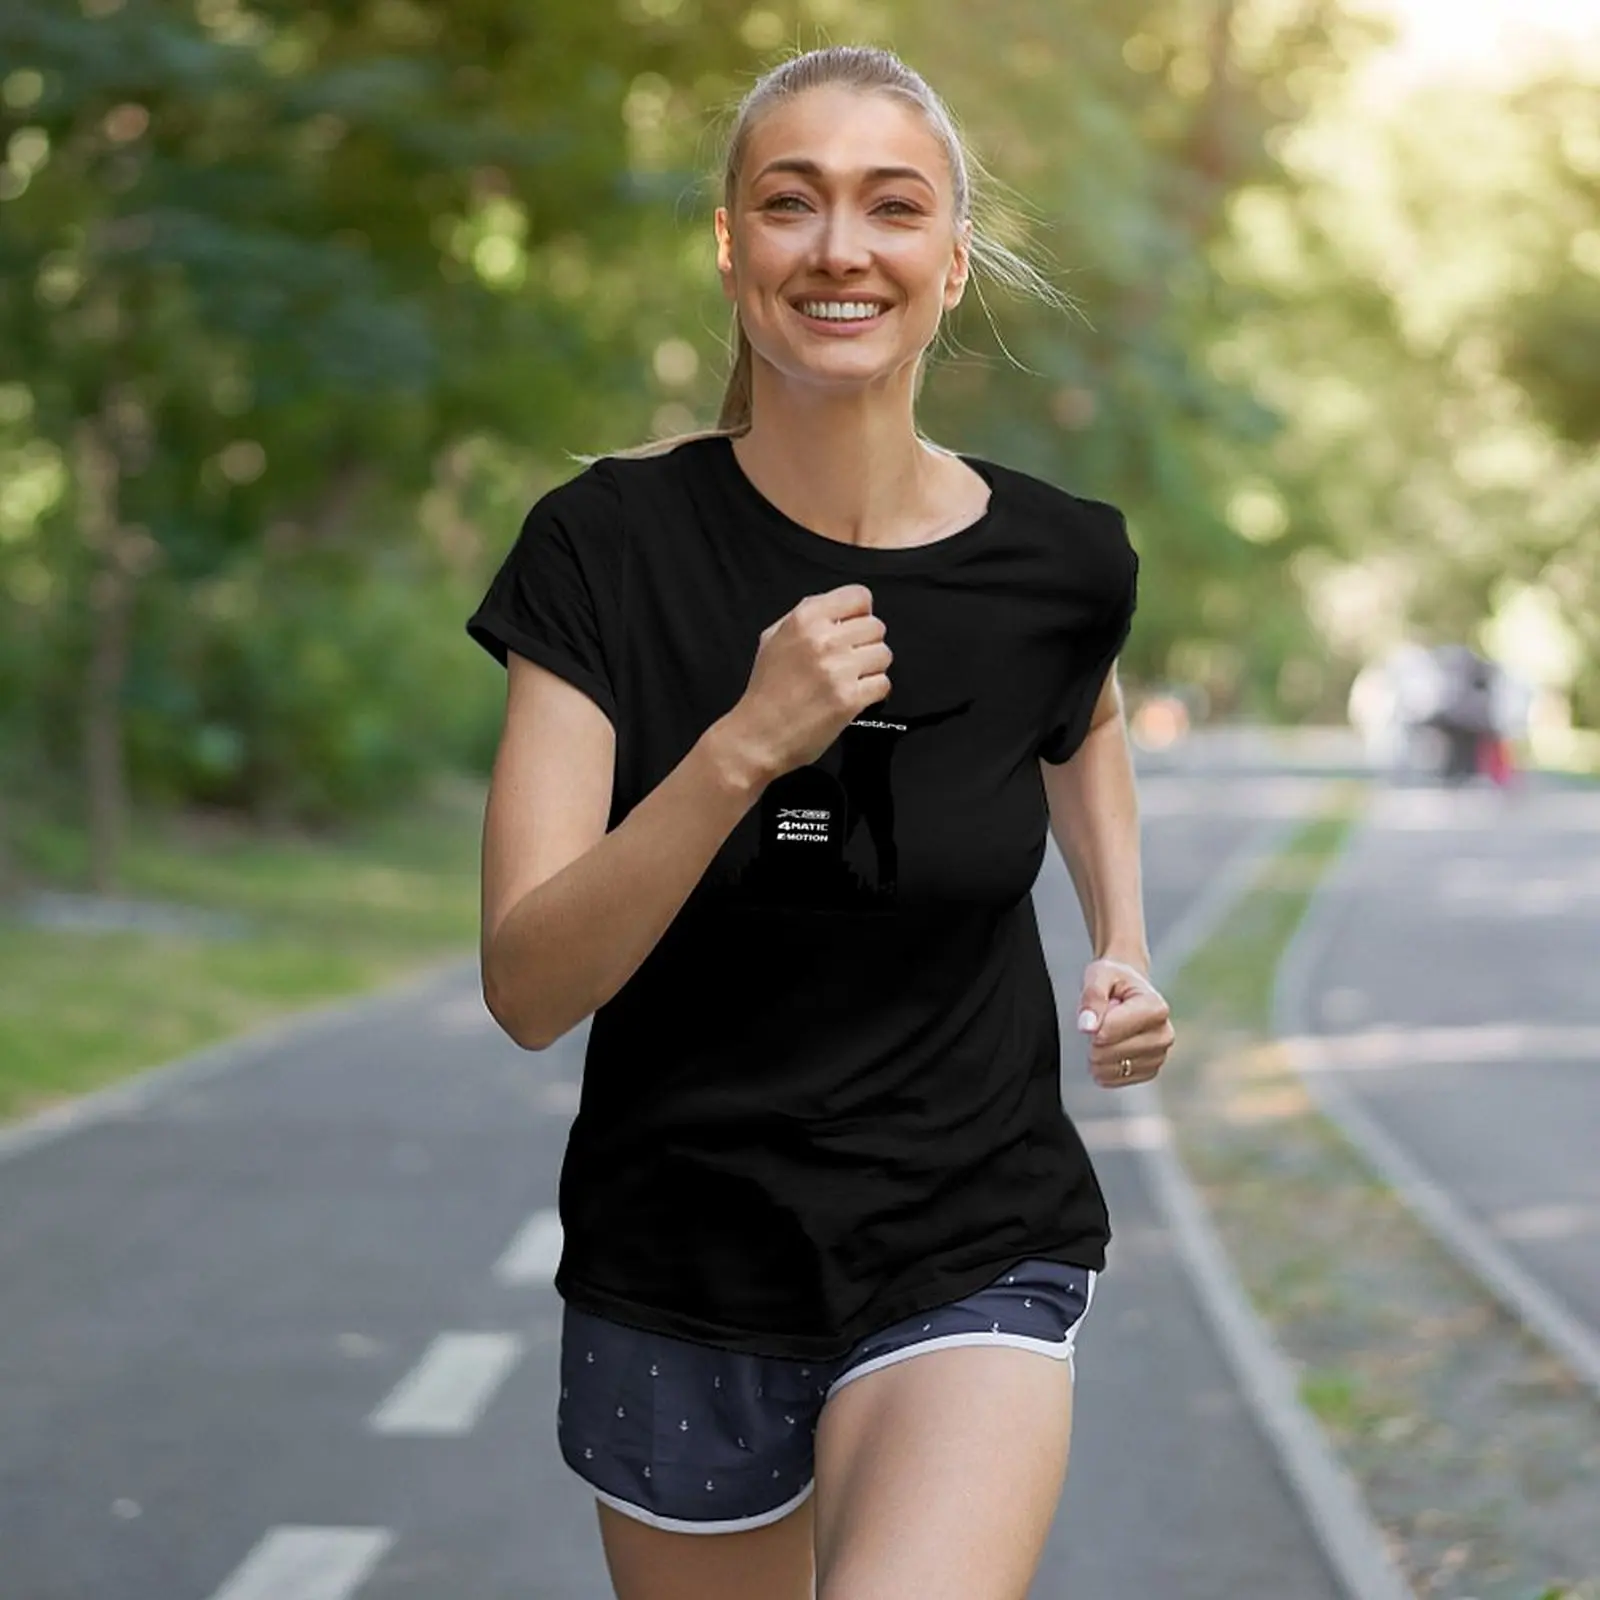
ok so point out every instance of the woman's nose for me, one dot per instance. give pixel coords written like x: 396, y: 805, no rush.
x: 842, y: 241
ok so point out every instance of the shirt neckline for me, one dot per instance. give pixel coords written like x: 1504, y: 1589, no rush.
x: 855, y: 557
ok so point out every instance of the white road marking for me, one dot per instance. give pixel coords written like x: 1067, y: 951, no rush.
x: 560, y: 1097
x: 532, y: 1257
x: 1508, y: 1044
x: 1126, y: 1132
x: 1546, y: 1222
x: 448, y: 1390
x: 464, y: 1013
x: 307, y: 1564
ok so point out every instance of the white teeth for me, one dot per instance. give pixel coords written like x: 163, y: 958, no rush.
x: 840, y: 310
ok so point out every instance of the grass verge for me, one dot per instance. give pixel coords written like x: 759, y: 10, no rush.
x: 322, y: 918
x: 1478, y: 1451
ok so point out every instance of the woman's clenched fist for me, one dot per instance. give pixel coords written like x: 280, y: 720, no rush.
x: 816, y: 668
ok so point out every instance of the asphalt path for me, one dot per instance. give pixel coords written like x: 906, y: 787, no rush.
x: 1455, y: 999
x: 286, y: 1332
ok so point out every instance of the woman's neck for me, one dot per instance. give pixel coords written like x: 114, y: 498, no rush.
x: 855, y: 472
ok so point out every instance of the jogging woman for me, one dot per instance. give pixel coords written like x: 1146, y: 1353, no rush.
x: 792, y: 708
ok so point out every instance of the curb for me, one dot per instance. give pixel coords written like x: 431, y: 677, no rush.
x: 129, y: 1096
x: 1350, y: 1539
x: 1542, y: 1312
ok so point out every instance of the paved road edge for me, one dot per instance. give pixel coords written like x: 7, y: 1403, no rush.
x: 1351, y: 1540
x: 127, y: 1096
x: 1542, y: 1312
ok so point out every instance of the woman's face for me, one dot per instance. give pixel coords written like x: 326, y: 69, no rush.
x: 844, y: 206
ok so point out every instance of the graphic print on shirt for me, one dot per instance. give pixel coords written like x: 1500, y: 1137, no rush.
x: 809, y: 816
x: 868, y: 745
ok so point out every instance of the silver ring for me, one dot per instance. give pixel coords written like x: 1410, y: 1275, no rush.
x: 1127, y: 1066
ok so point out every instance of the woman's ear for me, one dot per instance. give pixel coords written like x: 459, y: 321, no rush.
x: 955, y: 282
x: 724, y: 249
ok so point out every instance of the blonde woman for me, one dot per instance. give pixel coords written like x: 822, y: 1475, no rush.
x: 793, y: 706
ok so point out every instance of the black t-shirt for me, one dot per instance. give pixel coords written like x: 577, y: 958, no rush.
x: 830, y: 1096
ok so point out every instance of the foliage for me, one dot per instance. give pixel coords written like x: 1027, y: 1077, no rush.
x: 1439, y: 275
x: 334, y: 291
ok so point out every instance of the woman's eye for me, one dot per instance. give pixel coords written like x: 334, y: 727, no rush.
x: 789, y: 202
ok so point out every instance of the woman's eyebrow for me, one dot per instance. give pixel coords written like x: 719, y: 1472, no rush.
x: 809, y: 169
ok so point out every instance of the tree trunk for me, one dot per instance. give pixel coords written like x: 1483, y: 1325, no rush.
x: 119, y: 555
x: 7, y: 877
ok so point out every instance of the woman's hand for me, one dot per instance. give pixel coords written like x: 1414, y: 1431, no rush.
x: 1129, y: 1020
x: 817, y: 668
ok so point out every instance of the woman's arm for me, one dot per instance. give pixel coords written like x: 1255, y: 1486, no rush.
x: 569, y: 910
x: 1094, y: 816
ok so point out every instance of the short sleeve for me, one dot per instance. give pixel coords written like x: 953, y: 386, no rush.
x: 554, y: 600
x: 1099, y: 650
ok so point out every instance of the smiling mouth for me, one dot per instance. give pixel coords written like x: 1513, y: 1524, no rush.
x: 846, y: 313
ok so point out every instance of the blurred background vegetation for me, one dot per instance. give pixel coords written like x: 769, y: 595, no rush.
x: 302, y: 304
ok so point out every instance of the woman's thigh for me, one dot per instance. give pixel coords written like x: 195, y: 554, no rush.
x: 773, y: 1562
x: 938, y: 1476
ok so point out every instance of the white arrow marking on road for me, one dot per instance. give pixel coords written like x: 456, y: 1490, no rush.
x: 447, y: 1391
x: 307, y: 1564
x: 532, y: 1257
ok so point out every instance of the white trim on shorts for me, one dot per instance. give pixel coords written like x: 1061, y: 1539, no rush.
x: 681, y: 1525
x: 1057, y: 1350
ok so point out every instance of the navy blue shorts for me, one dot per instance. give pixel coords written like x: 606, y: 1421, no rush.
x: 696, y: 1439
